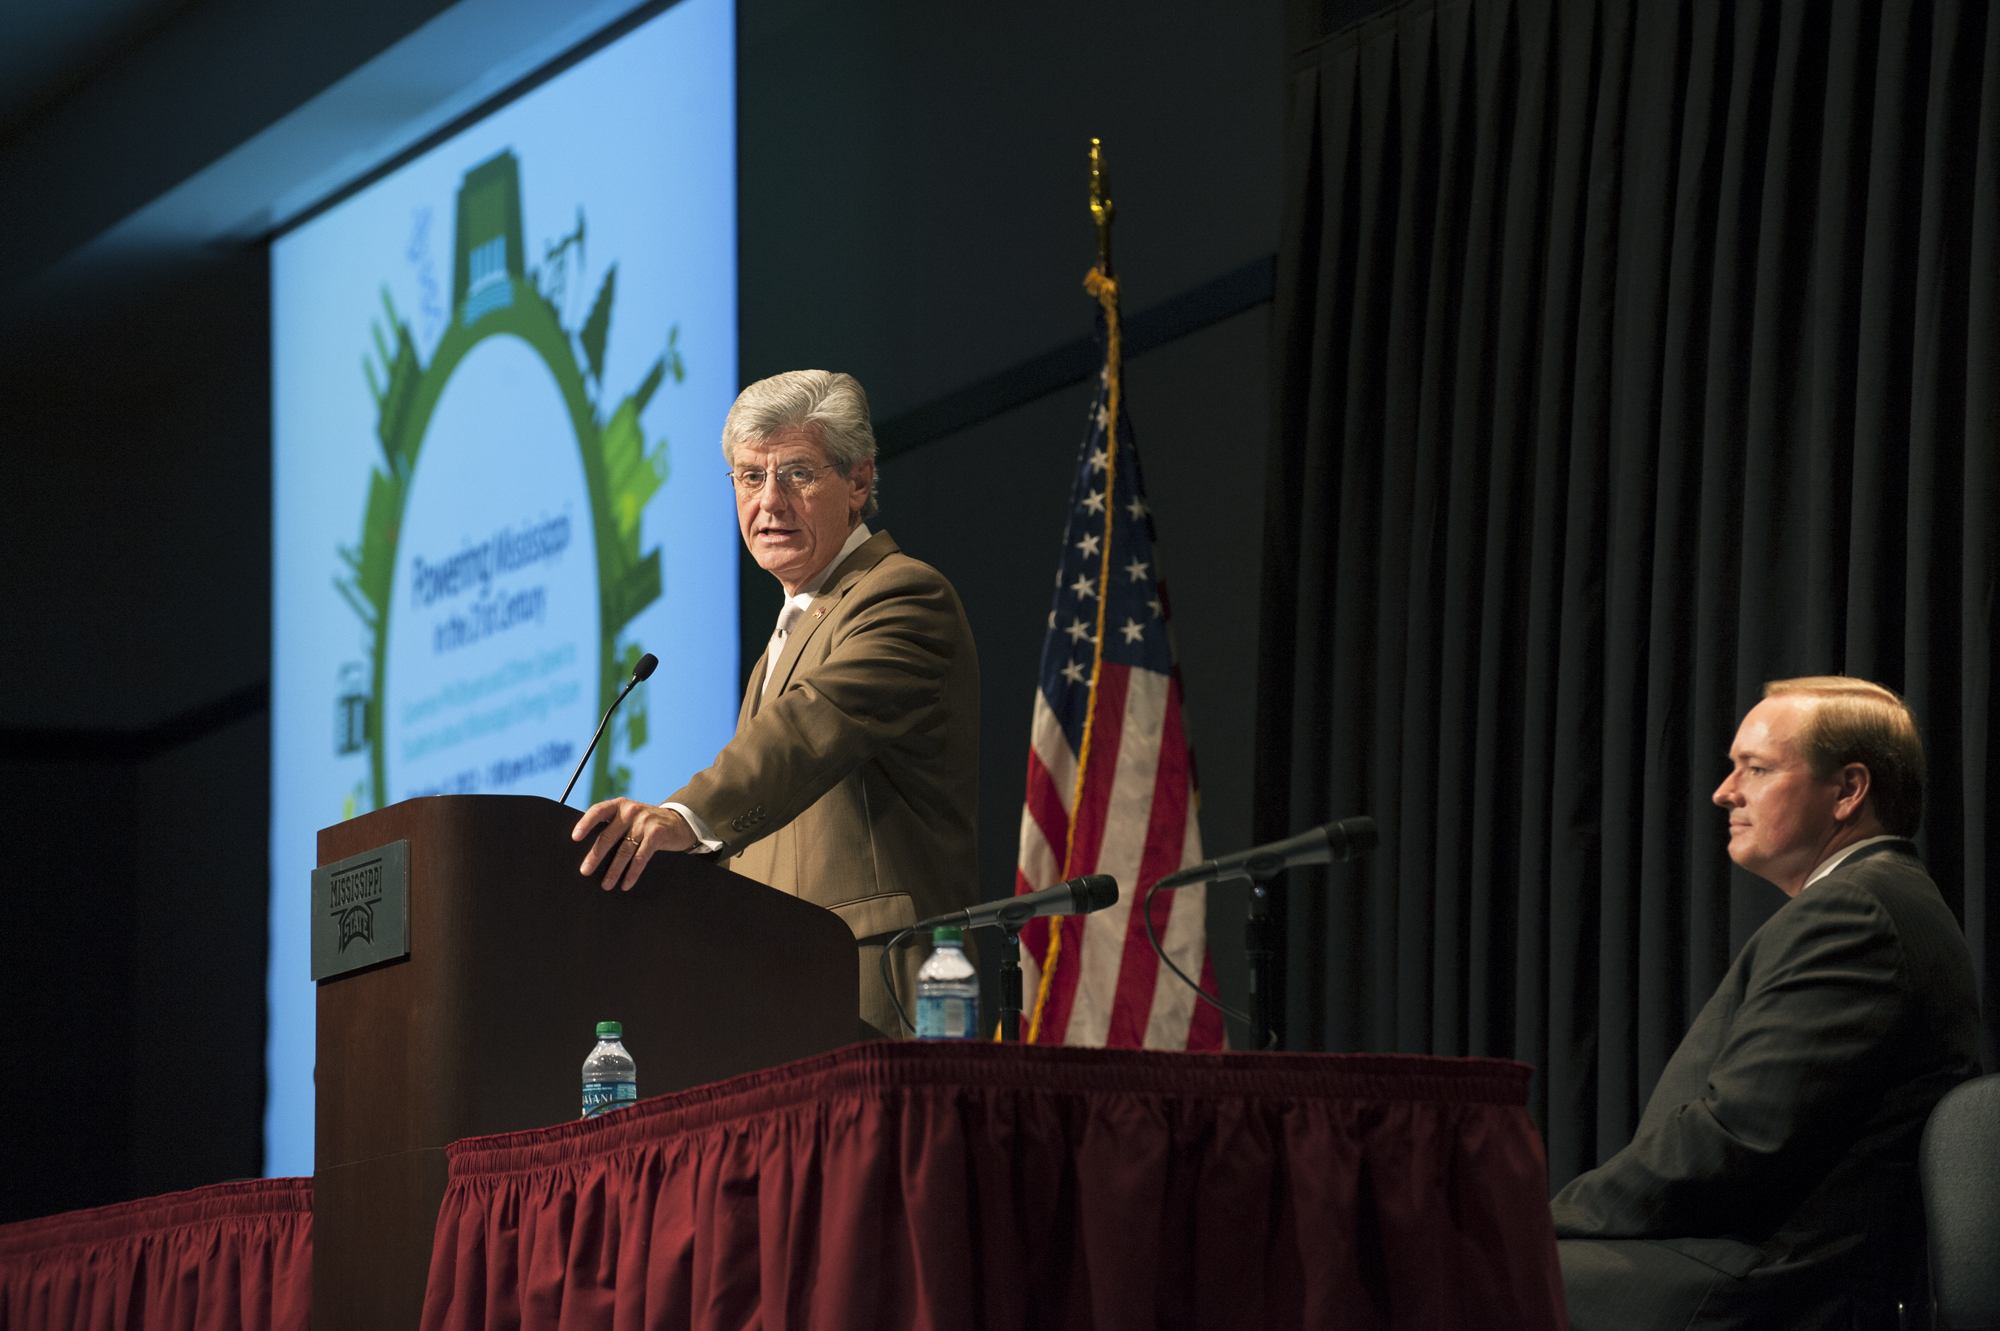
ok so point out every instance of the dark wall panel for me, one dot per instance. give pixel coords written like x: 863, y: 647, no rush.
x: 914, y: 176
x: 200, y: 921
x: 67, y: 840
x: 135, y: 501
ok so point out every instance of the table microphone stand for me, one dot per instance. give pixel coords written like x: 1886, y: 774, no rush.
x: 1010, y: 986
x: 1257, y: 952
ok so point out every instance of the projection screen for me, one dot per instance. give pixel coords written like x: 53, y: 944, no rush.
x: 499, y: 377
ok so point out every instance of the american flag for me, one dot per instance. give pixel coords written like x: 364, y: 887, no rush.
x: 1111, y: 780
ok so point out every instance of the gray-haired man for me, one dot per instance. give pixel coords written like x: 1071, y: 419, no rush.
x: 852, y: 778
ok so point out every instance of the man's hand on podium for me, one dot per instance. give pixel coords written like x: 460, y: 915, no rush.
x: 633, y: 833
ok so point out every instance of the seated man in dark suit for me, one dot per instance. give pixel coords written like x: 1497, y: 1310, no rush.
x: 1771, y: 1183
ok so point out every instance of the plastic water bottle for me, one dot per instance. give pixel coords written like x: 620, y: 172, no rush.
x: 610, y: 1079
x: 947, y: 990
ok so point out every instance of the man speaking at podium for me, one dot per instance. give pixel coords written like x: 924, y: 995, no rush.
x: 852, y: 778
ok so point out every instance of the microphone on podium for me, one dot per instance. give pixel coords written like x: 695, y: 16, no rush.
x: 647, y: 664
x: 1078, y: 896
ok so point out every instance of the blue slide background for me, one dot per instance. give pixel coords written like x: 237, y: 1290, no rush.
x: 640, y: 138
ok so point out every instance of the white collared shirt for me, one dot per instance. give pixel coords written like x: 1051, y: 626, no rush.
x: 795, y: 607
x: 1839, y: 857
x: 789, y: 615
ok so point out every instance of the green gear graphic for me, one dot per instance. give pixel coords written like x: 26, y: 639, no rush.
x: 620, y: 473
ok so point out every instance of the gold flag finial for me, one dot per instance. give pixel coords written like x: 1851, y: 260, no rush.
x: 1100, y: 206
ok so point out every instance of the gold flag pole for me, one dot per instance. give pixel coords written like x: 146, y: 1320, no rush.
x: 1100, y: 206
x: 1099, y: 283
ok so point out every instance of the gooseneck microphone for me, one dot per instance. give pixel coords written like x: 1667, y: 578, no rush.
x: 647, y: 664
x: 1344, y: 840
x: 1078, y: 896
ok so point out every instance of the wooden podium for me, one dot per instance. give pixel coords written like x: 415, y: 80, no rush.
x: 513, y: 958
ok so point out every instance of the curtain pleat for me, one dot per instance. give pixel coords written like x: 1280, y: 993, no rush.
x: 1629, y: 355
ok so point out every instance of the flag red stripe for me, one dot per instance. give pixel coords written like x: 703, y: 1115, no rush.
x: 1034, y: 938
x: 1062, y: 980
x: 1045, y: 806
x: 1166, y: 836
x: 1107, y: 726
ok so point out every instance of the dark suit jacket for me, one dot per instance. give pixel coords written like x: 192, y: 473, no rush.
x: 853, y: 778
x: 1773, y: 1171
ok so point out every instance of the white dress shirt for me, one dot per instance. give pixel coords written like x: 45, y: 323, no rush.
x: 1834, y: 861
x: 793, y: 610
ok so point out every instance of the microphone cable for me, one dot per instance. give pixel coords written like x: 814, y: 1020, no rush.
x: 1146, y: 905
x: 889, y: 983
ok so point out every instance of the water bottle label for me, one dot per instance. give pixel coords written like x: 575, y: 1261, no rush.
x: 940, y: 1018
x: 602, y: 1095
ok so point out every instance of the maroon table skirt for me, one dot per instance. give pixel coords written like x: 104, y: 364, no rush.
x: 966, y: 1186
x: 231, y: 1257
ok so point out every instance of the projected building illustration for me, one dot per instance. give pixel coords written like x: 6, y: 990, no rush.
x: 499, y: 562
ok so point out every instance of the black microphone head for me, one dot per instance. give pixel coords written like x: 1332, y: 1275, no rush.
x: 1093, y: 892
x: 1351, y: 838
x: 647, y: 665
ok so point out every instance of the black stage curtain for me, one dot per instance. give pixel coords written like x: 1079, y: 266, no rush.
x: 1630, y: 354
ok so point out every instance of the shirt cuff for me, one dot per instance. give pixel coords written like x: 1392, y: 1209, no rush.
x: 705, y: 834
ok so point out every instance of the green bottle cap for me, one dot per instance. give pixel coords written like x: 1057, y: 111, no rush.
x: 609, y: 1030
x: 947, y: 933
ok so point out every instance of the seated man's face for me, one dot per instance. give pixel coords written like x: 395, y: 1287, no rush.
x: 792, y: 532
x: 1781, y: 816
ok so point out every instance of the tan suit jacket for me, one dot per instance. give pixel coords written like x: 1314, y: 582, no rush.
x: 853, y: 777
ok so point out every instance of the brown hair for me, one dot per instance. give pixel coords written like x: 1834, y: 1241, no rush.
x: 1860, y: 722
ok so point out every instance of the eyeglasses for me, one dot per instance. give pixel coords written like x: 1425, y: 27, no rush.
x: 795, y: 478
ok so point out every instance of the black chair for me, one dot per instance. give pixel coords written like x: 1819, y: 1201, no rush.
x: 1959, y: 1167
